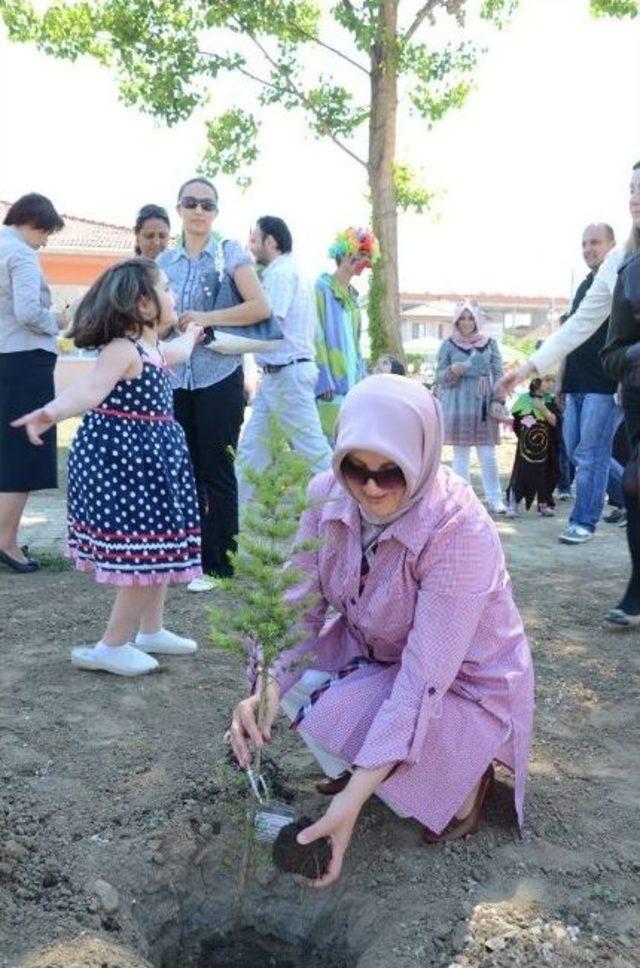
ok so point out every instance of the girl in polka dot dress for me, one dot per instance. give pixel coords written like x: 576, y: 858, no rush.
x: 132, y: 506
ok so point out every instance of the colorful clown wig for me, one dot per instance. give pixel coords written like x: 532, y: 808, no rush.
x: 356, y: 243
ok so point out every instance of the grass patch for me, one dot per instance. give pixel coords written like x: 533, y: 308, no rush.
x: 50, y: 561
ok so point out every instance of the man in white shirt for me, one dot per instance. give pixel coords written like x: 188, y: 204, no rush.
x: 289, y: 373
x: 587, y: 319
x: 590, y: 315
x: 591, y: 414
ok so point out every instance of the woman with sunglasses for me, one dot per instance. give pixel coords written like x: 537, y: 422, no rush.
x: 209, y: 390
x: 423, y: 677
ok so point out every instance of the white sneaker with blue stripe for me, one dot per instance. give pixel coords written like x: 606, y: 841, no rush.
x: 575, y: 534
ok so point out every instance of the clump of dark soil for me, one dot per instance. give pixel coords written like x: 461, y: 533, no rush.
x: 309, y: 860
x: 248, y: 949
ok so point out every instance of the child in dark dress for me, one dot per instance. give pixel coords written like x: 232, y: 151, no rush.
x: 536, y: 424
x: 132, y: 508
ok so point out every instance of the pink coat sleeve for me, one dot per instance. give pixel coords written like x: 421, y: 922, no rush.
x: 460, y: 569
x: 286, y: 668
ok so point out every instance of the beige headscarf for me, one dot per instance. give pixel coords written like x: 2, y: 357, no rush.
x: 399, y: 419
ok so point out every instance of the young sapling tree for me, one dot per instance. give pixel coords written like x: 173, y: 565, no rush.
x: 257, y: 619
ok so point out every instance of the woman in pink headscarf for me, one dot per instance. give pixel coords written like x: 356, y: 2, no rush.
x: 421, y: 677
x: 469, y: 365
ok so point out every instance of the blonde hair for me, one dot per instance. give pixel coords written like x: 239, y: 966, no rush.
x: 633, y: 242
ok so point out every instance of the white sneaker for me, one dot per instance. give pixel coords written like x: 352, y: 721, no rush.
x: 121, y: 660
x: 575, y: 534
x: 204, y: 584
x: 165, y: 643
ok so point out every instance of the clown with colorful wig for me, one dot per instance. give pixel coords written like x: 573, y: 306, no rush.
x: 338, y: 355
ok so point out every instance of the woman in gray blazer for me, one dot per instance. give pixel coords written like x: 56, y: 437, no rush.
x: 28, y: 331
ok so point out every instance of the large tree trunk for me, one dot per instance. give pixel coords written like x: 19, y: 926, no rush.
x: 382, y: 152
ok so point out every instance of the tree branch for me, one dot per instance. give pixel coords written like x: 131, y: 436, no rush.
x: 334, y: 50
x: 244, y: 71
x: 309, y: 107
x: 423, y: 12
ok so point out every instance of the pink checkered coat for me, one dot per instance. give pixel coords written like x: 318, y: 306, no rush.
x: 450, y: 687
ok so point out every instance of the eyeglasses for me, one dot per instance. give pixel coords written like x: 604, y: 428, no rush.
x: 387, y: 479
x: 206, y: 204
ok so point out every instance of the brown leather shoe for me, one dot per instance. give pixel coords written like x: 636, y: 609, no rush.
x: 456, y: 828
x: 330, y: 787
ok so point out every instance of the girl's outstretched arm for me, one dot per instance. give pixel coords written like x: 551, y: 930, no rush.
x: 119, y: 360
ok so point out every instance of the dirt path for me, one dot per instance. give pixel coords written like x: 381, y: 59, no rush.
x: 116, y: 781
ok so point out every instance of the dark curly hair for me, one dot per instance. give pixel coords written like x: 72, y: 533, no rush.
x: 110, y: 309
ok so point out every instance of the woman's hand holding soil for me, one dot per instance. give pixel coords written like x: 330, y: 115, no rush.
x: 244, y: 723
x: 339, y: 820
x: 337, y: 824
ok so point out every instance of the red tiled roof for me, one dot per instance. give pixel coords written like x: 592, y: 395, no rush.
x: 82, y: 233
x: 485, y: 299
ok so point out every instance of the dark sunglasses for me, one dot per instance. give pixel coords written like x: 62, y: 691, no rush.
x: 387, y: 479
x: 206, y: 204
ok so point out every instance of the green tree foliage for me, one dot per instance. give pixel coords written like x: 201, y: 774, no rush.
x: 256, y: 608
x: 615, y: 8
x: 377, y: 57
x: 379, y: 342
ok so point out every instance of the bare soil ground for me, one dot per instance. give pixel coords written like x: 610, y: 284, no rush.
x: 120, y: 836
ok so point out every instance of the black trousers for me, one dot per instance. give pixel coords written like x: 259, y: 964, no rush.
x: 26, y: 383
x: 211, y: 419
x: 630, y: 602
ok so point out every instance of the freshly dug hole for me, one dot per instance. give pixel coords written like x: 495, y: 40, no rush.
x: 248, y: 949
x: 190, y: 917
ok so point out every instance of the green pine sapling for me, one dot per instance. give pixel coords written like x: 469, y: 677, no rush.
x: 256, y: 615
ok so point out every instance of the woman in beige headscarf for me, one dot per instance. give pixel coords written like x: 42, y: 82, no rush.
x: 424, y: 677
x: 469, y: 365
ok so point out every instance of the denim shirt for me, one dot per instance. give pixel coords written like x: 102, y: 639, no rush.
x: 195, y: 282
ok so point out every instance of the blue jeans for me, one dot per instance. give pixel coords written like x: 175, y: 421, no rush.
x: 567, y: 470
x: 590, y: 421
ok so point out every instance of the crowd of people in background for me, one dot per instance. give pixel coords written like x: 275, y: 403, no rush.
x: 565, y: 428
x: 565, y: 425
x: 425, y: 630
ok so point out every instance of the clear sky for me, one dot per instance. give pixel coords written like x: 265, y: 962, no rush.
x: 543, y: 146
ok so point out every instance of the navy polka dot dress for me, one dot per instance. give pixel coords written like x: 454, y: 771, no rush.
x: 133, y: 510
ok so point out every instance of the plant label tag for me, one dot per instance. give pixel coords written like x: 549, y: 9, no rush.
x: 271, y: 819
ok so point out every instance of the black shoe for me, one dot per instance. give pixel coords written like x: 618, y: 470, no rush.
x: 615, y: 516
x: 22, y: 567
